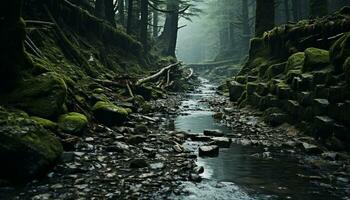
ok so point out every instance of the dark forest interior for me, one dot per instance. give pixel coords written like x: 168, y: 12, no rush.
x: 175, y: 99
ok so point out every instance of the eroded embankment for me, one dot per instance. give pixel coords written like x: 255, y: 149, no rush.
x: 299, y: 73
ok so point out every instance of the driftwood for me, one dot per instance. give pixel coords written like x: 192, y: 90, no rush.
x: 156, y: 75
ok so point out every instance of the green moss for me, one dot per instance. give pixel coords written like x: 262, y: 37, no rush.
x: 73, y: 123
x: 109, y: 113
x: 295, y: 61
x: 291, y: 74
x: 26, y: 147
x: 315, y: 59
x: 48, y: 124
x: 42, y: 96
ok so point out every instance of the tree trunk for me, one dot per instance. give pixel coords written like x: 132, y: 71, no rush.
x: 121, y: 7
x: 109, y: 12
x: 100, y: 9
x: 286, y: 8
x: 144, y: 24
x: 155, y: 21
x: 265, y: 16
x: 246, y: 26
x: 130, y: 16
x: 318, y: 8
x: 174, y: 22
x: 12, y: 35
x: 296, y: 10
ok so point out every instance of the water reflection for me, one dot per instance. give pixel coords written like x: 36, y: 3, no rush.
x: 241, y: 175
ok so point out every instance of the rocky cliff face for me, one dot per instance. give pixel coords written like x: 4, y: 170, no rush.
x: 299, y: 73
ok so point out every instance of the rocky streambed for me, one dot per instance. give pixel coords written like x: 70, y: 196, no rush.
x: 155, y: 156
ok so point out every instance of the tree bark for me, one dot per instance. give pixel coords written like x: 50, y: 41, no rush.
x: 246, y: 26
x: 265, y: 16
x: 130, y: 16
x: 155, y: 21
x: 144, y: 24
x: 174, y: 22
x: 109, y: 12
x: 121, y: 7
x: 318, y: 8
x: 296, y: 9
x: 100, y: 9
x: 286, y: 8
x: 12, y: 36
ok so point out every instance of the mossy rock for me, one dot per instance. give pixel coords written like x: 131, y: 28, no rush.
x: 27, y: 150
x: 275, y: 70
x: 315, y: 59
x: 293, y: 74
x: 275, y: 116
x: 73, y: 123
x: 42, y: 96
x: 340, y: 51
x: 346, y: 68
x: 109, y: 114
x: 48, y: 124
x: 295, y: 61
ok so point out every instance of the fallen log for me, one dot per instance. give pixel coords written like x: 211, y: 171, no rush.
x: 156, y: 75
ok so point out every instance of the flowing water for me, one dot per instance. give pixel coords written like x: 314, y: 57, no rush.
x: 235, y: 174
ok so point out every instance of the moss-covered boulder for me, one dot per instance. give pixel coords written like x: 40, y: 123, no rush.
x: 42, y: 96
x: 315, y: 59
x: 48, y: 124
x: 73, y: 123
x: 340, y: 51
x: 108, y: 113
x: 27, y: 150
x: 295, y: 61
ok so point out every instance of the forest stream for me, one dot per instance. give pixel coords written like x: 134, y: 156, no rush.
x: 237, y: 173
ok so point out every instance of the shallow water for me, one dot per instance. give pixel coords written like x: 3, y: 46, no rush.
x: 236, y: 174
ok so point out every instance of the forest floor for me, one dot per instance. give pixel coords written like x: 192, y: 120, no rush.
x: 121, y: 163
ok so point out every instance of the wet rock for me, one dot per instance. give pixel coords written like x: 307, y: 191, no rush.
x: 178, y: 148
x: 136, y: 139
x: 222, y: 142
x: 323, y: 126
x: 218, y: 115
x: 199, y: 138
x: 141, y: 129
x: 109, y: 114
x: 138, y: 163
x: 213, y: 132
x: 210, y: 151
x: 195, y: 178
x: 157, y: 166
x: 73, y: 123
x: 330, y: 155
x: 275, y: 116
x: 311, y: 148
x: 199, y: 170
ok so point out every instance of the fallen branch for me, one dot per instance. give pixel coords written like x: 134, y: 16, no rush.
x: 129, y: 89
x: 107, y: 82
x: 39, y: 22
x: 156, y: 75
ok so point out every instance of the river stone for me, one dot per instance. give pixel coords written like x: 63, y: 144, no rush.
x: 323, y: 126
x: 213, y: 132
x: 136, y: 139
x: 109, y: 114
x: 138, y: 163
x: 311, y: 148
x: 210, y: 151
x: 222, y: 142
x: 42, y: 96
x: 73, y: 123
x: 27, y: 150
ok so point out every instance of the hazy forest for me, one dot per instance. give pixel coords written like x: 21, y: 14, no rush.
x: 175, y: 99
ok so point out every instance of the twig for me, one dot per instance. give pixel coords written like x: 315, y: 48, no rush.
x: 156, y: 75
